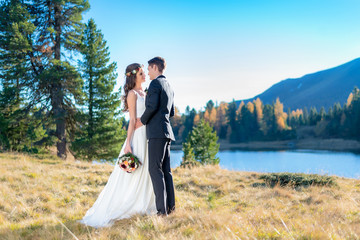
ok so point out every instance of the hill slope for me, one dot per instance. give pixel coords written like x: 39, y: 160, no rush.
x: 318, y: 89
x: 44, y: 198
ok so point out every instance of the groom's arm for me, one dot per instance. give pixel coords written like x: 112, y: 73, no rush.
x: 172, y: 111
x: 152, y: 101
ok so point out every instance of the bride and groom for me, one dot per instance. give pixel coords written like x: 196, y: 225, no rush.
x: 149, y: 189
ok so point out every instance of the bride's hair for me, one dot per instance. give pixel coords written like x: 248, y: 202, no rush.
x: 130, y: 82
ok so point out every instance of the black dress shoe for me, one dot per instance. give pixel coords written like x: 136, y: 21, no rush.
x: 161, y: 214
x: 171, y: 210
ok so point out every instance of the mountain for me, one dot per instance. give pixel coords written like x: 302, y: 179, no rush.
x: 320, y: 89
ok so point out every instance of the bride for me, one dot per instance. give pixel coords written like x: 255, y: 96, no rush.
x: 126, y: 194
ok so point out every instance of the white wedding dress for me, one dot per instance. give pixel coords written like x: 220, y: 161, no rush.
x: 126, y: 194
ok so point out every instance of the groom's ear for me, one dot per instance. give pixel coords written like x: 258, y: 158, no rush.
x: 154, y: 67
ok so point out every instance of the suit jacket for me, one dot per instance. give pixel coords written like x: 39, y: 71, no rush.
x: 159, y: 109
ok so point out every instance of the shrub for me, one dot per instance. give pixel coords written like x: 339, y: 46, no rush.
x: 297, y: 179
x: 201, y: 146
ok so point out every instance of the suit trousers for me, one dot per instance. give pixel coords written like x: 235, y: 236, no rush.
x: 160, y: 173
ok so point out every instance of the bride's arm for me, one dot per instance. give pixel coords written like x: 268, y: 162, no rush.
x: 131, y: 101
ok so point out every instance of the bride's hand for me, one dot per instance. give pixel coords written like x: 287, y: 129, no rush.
x: 138, y: 123
x: 127, y: 149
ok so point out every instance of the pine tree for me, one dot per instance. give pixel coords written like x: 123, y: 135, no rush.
x: 356, y: 113
x: 20, y: 130
x: 248, y: 123
x: 189, y: 157
x: 330, y: 114
x: 233, y: 126
x: 14, y: 27
x: 322, y: 114
x: 352, y: 110
x: 16, y: 30
x: 188, y: 119
x: 270, y: 123
x: 333, y: 128
x: 59, y: 26
x: 314, y: 116
x: 305, y: 116
x: 220, y: 123
x: 11, y: 130
x: 101, y: 134
x: 43, y: 34
x: 209, y: 106
x: 203, y: 141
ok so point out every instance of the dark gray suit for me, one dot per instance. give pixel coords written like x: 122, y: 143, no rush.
x: 159, y: 108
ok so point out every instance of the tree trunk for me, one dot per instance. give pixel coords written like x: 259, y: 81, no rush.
x: 91, y: 116
x: 57, y: 91
x: 91, y: 99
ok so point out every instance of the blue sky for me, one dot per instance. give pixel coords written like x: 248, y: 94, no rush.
x: 224, y: 50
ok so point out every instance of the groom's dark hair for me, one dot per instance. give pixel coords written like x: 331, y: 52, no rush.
x: 159, y: 62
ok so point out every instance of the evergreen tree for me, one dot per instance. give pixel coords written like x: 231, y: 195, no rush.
x: 209, y: 106
x: 188, y: 120
x: 305, y: 116
x: 289, y: 118
x: 249, y: 128
x: 44, y: 33
x: 269, y: 122
x: 16, y: 30
x: 233, y: 128
x: 322, y: 114
x: 19, y: 130
x: 203, y: 141
x: 59, y: 26
x: 330, y: 114
x: 314, y: 116
x: 221, y: 123
x: 352, y: 109
x: 14, y: 27
x: 333, y: 127
x: 11, y: 129
x: 189, y: 157
x: 100, y: 134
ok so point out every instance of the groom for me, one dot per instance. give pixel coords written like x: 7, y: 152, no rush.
x: 159, y: 108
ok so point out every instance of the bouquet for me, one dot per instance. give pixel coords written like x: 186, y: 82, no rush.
x: 128, y: 162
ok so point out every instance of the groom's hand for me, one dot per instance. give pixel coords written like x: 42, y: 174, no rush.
x: 138, y: 123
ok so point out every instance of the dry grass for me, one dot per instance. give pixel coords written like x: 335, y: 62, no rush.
x: 43, y: 199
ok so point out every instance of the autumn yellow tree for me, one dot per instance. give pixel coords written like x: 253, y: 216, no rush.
x: 221, y: 121
x: 259, y: 113
x: 280, y: 115
x: 197, y: 119
x: 177, y: 123
x: 349, y: 99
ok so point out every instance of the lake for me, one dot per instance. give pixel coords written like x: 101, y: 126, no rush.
x: 304, y: 161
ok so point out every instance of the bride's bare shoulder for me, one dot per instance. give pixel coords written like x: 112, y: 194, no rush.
x: 131, y: 95
x: 131, y: 98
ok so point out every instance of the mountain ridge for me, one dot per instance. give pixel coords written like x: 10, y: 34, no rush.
x: 323, y: 88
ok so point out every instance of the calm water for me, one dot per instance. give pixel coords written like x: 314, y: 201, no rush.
x: 304, y: 161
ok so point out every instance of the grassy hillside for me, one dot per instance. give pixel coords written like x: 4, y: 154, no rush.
x: 43, y: 199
